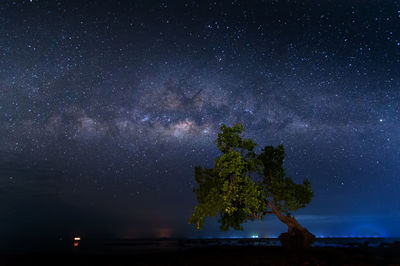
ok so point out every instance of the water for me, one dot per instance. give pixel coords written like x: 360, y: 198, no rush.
x: 186, y: 243
x: 112, y: 246
x: 320, y: 242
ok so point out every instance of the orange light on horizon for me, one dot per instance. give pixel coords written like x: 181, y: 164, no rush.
x: 164, y: 232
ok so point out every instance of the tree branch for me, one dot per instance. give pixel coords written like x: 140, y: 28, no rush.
x: 267, y: 212
x: 286, y: 219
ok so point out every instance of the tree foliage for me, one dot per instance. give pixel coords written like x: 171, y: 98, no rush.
x: 242, y: 182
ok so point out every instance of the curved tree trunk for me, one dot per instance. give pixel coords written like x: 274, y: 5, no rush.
x: 297, y: 237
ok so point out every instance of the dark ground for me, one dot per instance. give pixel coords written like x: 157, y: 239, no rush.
x: 222, y: 255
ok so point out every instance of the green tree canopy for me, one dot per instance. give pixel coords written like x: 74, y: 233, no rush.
x: 244, y: 185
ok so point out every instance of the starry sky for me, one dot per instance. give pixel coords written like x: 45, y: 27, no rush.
x: 106, y: 107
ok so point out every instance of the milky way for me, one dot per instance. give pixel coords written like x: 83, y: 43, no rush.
x: 106, y: 107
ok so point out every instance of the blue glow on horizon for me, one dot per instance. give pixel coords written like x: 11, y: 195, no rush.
x: 276, y: 237
x: 368, y: 230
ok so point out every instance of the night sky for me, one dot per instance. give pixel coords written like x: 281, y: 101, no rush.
x: 107, y: 106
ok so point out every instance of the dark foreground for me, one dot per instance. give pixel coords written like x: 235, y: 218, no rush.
x: 217, y: 255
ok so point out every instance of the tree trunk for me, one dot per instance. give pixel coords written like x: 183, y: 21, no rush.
x: 297, y: 236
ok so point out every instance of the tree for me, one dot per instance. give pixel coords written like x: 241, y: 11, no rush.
x: 244, y: 185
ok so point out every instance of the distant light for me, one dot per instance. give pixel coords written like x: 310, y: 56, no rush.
x: 254, y: 236
x: 76, y: 241
x: 381, y: 120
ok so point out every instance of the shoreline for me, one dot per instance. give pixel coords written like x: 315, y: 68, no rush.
x: 221, y: 255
